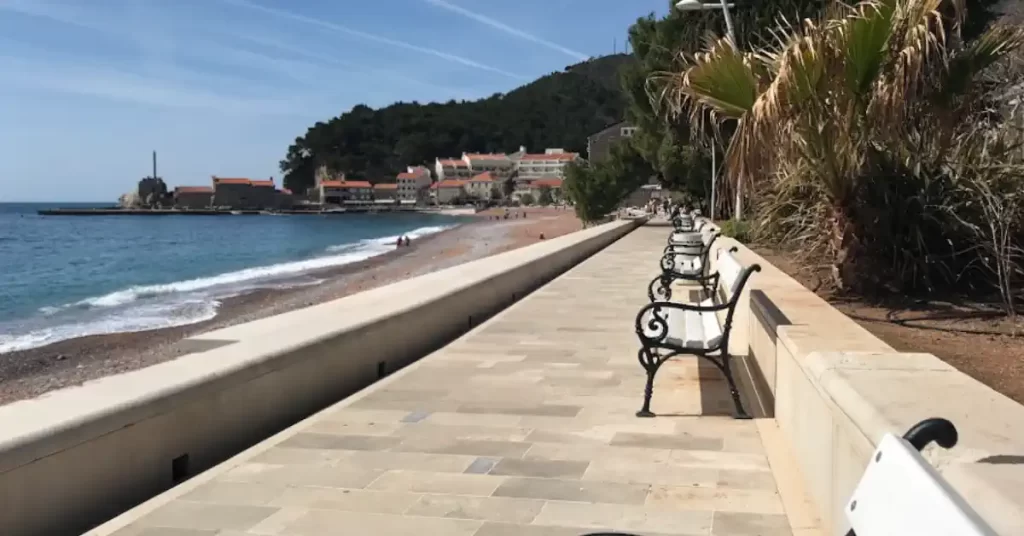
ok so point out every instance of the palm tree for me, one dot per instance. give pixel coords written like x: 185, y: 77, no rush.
x: 820, y: 114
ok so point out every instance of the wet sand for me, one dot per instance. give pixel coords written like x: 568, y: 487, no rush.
x: 29, y: 373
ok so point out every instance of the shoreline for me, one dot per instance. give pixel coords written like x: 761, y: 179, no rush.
x: 35, y: 371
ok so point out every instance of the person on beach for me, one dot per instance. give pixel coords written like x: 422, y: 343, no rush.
x: 407, y: 241
x: 399, y: 243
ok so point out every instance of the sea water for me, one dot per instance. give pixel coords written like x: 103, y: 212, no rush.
x: 71, y: 276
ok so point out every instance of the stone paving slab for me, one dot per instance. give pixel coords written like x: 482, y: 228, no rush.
x: 523, y: 427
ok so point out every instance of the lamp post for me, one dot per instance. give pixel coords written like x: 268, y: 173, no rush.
x: 697, y: 5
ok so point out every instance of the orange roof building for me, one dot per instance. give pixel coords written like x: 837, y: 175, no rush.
x: 236, y: 181
x: 486, y: 176
x: 449, y: 183
x: 550, y: 182
x: 193, y: 190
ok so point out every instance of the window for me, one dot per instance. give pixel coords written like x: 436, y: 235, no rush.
x: 627, y: 131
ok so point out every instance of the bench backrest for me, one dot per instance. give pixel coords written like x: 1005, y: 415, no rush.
x: 900, y: 493
x: 732, y: 275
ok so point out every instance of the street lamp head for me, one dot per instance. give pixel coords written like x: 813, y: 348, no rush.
x: 697, y: 5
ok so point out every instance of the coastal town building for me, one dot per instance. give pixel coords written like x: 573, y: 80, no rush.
x: 342, y: 192
x: 452, y: 168
x: 332, y: 192
x: 535, y: 186
x: 550, y: 164
x: 552, y: 184
x: 599, y: 145
x: 385, y: 193
x: 229, y: 192
x: 264, y: 193
x: 193, y: 197
x: 446, y: 191
x: 500, y: 165
x: 480, y: 186
x: 285, y: 199
x: 245, y: 194
x: 413, y: 184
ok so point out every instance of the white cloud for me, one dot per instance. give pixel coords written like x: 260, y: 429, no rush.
x: 483, y: 19
x: 350, y: 66
x: 369, y: 37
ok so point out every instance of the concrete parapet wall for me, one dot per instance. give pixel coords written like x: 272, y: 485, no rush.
x: 835, y: 390
x: 76, y: 457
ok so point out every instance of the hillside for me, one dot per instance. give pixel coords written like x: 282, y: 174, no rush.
x: 557, y: 110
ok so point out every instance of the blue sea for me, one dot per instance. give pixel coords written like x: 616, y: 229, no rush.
x: 72, y: 276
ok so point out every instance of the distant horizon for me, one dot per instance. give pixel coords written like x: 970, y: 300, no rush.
x: 223, y: 87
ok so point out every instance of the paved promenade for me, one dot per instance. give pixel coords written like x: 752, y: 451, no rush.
x: 523, y: 427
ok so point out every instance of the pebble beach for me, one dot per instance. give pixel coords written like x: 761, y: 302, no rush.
x: 33, y: 372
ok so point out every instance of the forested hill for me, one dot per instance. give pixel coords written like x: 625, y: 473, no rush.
x: 557, y: 110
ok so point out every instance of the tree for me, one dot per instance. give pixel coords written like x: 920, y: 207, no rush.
x: 847, y: 131
x: 526, y: 199
x: 596, y: 189
x: 557, y: 110
x: 544, y: 197
x: 496, y: 194
x: 680, y: 155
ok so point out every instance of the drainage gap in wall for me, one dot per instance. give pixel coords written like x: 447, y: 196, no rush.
x: 469, y: 323
x: 179, y: 469
x: 382, y: 369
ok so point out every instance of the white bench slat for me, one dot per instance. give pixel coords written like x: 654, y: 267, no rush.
x: 687, y: 265
x: 729, y: 270
x: 901, y: 494
x: 691, y: 329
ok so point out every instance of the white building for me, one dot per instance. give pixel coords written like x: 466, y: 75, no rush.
x: 552, y: 163
x: 480, y: 186
x: 412, y: 185
x: 500, y: 165
x: 450, y: 168
x: 446, y: 191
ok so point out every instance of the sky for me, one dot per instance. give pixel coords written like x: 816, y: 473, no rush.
x: 89, y: 88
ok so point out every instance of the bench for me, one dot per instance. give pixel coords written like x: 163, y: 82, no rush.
x: 667, y: 329
x: 679, y: 240
x: 900, y: 493
x: 682, y: 221
x: 687, y: 261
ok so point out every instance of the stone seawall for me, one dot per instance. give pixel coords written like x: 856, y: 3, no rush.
x: 76, y: 457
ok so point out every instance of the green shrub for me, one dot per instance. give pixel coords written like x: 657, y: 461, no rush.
x: 740, y: 230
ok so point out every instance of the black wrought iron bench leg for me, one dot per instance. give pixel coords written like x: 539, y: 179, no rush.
x: 651, y: 362
x: 733, y: 390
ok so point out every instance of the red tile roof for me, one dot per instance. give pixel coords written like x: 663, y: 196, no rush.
x: 405, y: 175
x: 346, y: 184
x: 264, y: 184
x: 219, y: 180
x: 385, y: 186
x: 486, y: 176
x: 449, y: 183
x: 453, y: 163
x: 549, y: 182
x: 557, y: 157
x: 486, y: 156
x: 193, y: 190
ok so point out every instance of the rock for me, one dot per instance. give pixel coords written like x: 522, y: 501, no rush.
x: 60, y: 357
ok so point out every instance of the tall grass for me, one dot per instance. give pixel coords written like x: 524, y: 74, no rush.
x: 872, y: 141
